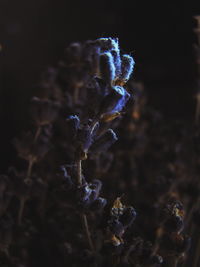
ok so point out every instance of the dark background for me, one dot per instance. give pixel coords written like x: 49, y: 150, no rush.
x: 34, y: 33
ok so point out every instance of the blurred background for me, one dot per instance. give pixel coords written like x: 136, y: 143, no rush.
x: 34, y: 33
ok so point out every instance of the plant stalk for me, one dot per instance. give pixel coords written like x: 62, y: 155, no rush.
x: 28, y: 178
x: 84, y: 216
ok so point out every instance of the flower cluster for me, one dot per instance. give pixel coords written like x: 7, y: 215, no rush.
x: 78, y: 105
x: 98, y: 186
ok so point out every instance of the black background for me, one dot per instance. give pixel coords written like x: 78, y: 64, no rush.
x: 34, y: 33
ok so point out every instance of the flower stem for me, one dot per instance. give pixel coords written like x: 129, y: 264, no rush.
x: 21, y: 209
x: 79, y: 172
x: 27, y: 180
x: 30, y: 166
x: 87, y: 231
x: 37, y: 133
x: 84, y: 216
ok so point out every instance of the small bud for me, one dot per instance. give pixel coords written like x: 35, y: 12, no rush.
x: 104, y: 141
x: 107, y: 67
x: 65, y: 177
x: 116, y: 227
x: 126, y: 67
x: 107, y: 44
x: 73, y: 123
x: 95, y: 187
x: 115, y: 101
x: 85, y: 137
x: 98, y: 204
x: 128, y: 216
x: 83, y: 195
x: 117, y: 61
x: 123, y: 100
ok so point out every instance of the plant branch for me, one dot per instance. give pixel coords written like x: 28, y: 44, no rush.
x: 27, y: 180
x: 83, y: 216
x: 87, y: 231
x: 79, y: 172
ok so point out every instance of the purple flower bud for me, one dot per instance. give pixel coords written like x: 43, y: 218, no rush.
x: 123, y: 100
x: 107, y: 67
x: 65, y: 177
x: 95, y: 187
x: 104, y: 141
x: 116, y: 227
x: 126, y: 67
x: 73, y: 122
x: 83, y: 195
x: 128, y: 216
x: 115, y: 101
x: 107, y: 44
x: 84, y: 137
x: 117, y: 61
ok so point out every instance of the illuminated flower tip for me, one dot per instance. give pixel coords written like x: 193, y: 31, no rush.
x: 126, y: 67
x: 74, y: 121
x: 108, y: 44
x: 123, y: 99
x: 107, y: 67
